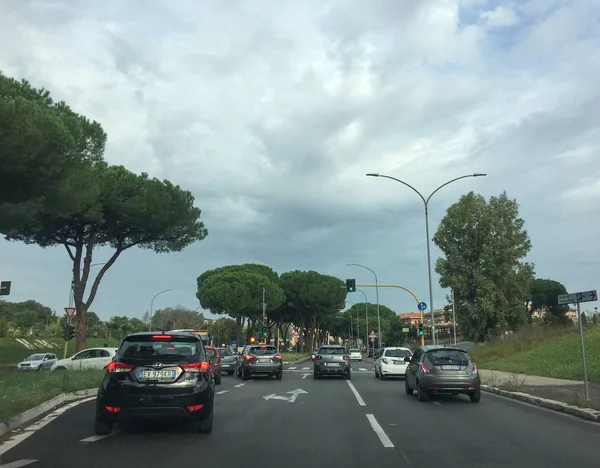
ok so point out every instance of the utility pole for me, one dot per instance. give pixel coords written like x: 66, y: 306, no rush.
x: 264, y: 309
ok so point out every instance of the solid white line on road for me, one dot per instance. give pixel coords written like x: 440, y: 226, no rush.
x: 239, y: 385
x: 305, y: 376
x: 305, y: 368
x: 292, y: 368
x: 385, y: 440
x: 222, y: 392
x: 362, y: 369
x: 18, y: 464
x: 436, y: 402
x: 94, y: 438
x: 17, y: 439
x: 361, y: 402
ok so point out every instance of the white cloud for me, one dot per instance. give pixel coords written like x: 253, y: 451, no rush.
x: 273, y: 113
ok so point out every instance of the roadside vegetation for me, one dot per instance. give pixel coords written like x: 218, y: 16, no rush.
x: 20, y: 391
x: 545, y: 351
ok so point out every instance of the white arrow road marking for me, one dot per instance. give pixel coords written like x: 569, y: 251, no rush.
x: 291, y: 399
x: 239, y: 385
x: 20, y: 437
x: 292, y: 368
x: 385, y: 440
x: 305, y: 376
x: 18, y: 464
x: 94, y: 438
x: 222, y: 392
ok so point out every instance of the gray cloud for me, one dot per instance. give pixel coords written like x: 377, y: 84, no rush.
x: 272, y: 114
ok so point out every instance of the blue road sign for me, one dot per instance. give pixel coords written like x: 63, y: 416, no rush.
x: 422, y: 306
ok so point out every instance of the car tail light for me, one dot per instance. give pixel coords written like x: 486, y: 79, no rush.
x: 474, y: 371
x: 161, y: 337
x: 116, y: 366
x: 112, y: 409
x: 202, y: 367
x: 193, y: 408
x: 277, y: 357
x: 250, y: 357
x: 346, y: 357
x: 424, y: 369
x: 318, y: 357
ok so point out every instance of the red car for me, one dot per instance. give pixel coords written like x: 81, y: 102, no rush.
x: 212, y: 352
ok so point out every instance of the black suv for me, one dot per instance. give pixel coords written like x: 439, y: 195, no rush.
x: 157, y: 376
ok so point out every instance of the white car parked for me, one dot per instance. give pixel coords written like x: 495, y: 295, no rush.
x: 91, y: 358
x: 391, y: 363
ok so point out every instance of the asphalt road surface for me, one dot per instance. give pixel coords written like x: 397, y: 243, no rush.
x: 326, y: 423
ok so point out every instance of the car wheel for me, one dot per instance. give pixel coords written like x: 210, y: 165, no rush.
x: 218, y: 379
x: 475, y: 396
x: 376, y: 373
x: 421, y: 394
x: 245, y: 375
x: 102, y: 427
x: 381, y: 376
x: 348, y: 376
x: 407, y: 389
x: 230, y: 372
x: 279, y: 375
x: 316, y: 376
x: 61, y: 368
x: 205, y: 426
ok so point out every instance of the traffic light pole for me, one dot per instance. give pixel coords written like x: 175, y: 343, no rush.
x: 67, y: 326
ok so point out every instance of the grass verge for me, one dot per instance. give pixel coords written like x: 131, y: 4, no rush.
x: 20, y: 391
x: 543, y: 351
x: 294, y: 357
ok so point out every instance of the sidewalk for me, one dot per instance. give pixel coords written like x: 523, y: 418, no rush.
x: 568, y: 391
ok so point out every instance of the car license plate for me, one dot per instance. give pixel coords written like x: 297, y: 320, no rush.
x: 264, y: 360
x: 225, y: 365
x: 450, y: 367
x: 398, y: 363
x: 331, y: 364
x: 157, y: 374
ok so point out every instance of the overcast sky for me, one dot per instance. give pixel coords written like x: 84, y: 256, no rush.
x: 272, y: 112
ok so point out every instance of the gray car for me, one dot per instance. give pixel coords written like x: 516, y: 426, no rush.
x: 37, y: 362
x: 442, y: 369
x: 228, y: 361
x: 260, y: 359
x: 332, y: 360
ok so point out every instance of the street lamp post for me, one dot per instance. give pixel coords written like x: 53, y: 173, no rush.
x: 376, y: 295
x: 366, y: 317
x: 426, y: 203
x: 152, y: 306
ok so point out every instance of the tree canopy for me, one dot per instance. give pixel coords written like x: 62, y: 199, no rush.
x: 544, y: 296
x: 59, y: 192
x: 485, y: 244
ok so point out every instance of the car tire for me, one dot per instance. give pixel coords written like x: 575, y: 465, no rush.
x: 245, y: 375
x: 102, y: 428
x: 279, y: 375
x: 218, y: 379
x: 422, y: 395
x: 376, y: 374
x: 381, y: 376
x: 316, y: 376
x: 348, y: 376
x: 206, y: 425
x: 61, y: 368
x: 230, y: 372
x: 407, y: 389
x: 475, y: 396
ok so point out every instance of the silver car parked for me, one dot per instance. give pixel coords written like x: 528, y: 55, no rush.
x: 442, y: 369
x: 37, y: 362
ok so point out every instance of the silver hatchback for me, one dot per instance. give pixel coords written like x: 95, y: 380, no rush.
x: 332, y: 360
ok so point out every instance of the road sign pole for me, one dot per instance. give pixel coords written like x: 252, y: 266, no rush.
x: 585, y: 378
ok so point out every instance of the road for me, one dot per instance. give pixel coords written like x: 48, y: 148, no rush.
x: 364, y: 422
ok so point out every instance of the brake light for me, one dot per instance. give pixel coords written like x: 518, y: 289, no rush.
x: 250, y: 357
x: 115, y: 366
x: 277, y: 357
x: 346, y: 357
x: 202, y: 367
x: 193, y: 408
x: 424, y: 369
x: 474, y: 371
x: 112, y: 409
x: 317, y: 357
x: 161, y: 337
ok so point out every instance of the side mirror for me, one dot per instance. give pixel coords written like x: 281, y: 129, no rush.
x: 213, y: 360
x: 407, y: 359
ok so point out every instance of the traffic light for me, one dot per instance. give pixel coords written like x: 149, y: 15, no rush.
x: 265, y: 334
x: 421, y: 332
x: 350, y: 285
x: 68, y: 332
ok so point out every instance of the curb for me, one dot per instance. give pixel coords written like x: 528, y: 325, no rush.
x: 584, y: 413
x: 20, y: 419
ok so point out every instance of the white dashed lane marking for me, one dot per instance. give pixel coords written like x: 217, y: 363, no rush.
x: 222, y: 392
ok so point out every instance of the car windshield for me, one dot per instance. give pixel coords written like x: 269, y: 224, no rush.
x: 35, y: 357
x: 332, y: 351
x: 263, y: 350
x: 397, y: 353
x: 448, y: 356
x: 146, y: 348
x: 225, y: 352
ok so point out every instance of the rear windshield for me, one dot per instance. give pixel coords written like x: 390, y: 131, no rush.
x: 355, y: 350
x: 397, y: 353
x: 225, y: 352
x: 164, y: 350
x: 448, y: 356
x: 263, y: 350
x: 332, y: 351
x: 209, y: 353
